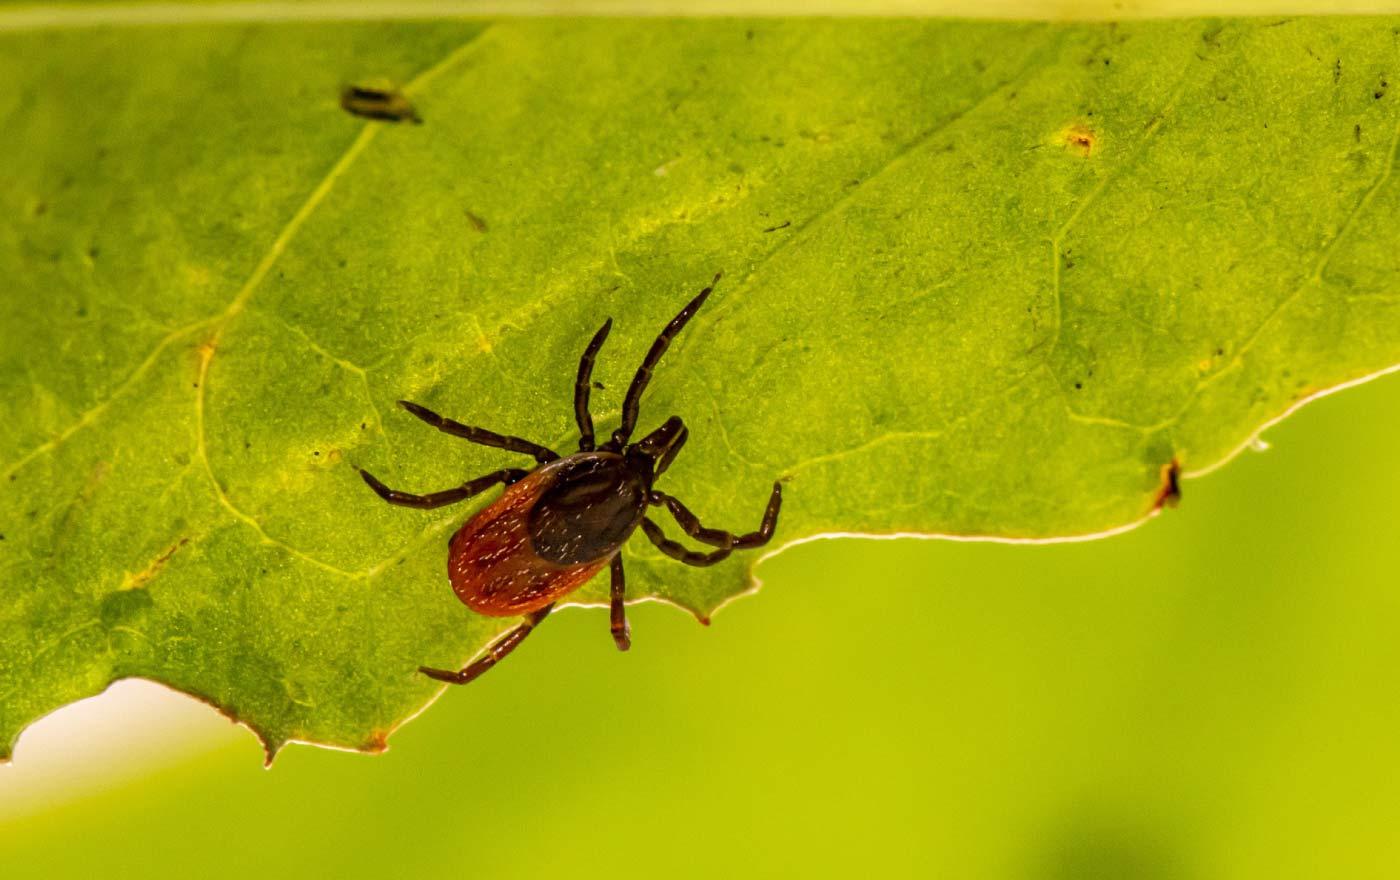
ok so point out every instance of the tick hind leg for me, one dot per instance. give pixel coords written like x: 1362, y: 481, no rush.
x: 718, y: 537
x: 621, y: 632
x: 678, y: 551
x: 447, y: 496
x: 482, y: 436
x: 498, y: 651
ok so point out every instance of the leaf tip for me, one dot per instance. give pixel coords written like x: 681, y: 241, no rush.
x: 377, y: 743
x: 1169, y: 491
x: 272, y: 744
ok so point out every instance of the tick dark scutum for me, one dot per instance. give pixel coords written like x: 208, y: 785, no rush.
x: 558, y: 525
x: 594, y: 505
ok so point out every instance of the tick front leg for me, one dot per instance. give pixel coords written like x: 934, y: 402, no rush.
x: 447, y: 496
x: 482, y: 436
x: 632, y: 402
x: 583, y: 386
x: 678, y: 551
x: 494, y: 654
x: 621, y: 632
x: 718, y: 537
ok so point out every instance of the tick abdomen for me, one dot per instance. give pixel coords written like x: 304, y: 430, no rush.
x: 546, y: 535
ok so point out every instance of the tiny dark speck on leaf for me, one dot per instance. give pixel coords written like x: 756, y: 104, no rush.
x: 1356, y: 132
x: 1081, y: 139
x: 1078, y: 385
x: 315, y: 452
x: 363, y: 426
x: 599, y: 386
x: 386, y: 104
x: 784, y: 225
x: 476, y: 222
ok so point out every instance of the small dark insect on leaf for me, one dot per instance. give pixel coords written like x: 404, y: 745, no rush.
x: 387, y: 104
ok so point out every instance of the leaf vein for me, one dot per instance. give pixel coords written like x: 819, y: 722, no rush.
x: 1058, y: 240
x: 245, y: 293
x: 850, y: 193
x: 1315, y: 277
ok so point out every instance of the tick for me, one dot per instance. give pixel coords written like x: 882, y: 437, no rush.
x: 559, y: 524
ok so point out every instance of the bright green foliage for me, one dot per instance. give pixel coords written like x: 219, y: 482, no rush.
x: 980, y: 279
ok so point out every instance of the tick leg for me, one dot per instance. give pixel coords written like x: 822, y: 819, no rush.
x: 481, y: 435
x: 639, y: 382
x: 583, y: 386
x: 494, y: 654
x: 676, y: 550
x: 718, y: 537
x: 621, y: 632
x: 447, y: 496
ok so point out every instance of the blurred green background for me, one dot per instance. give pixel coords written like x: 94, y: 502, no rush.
x: 1211, y: 695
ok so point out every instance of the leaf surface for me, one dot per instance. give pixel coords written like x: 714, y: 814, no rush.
x: 980, y: 280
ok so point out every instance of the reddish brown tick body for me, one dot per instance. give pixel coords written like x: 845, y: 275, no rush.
x: 526, y: 550
x: 558, y: 525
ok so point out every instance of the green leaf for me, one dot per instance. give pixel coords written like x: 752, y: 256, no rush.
x: 980, y: 280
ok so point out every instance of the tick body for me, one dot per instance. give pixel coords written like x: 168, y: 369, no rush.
x: 560, y: 523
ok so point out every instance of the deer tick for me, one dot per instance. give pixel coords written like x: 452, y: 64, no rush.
x: 559, y: 524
